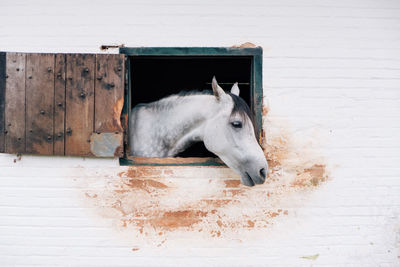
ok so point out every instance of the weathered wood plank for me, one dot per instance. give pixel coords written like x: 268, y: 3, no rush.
x: 109, y: 95
x: 15, y: 103
x: 2, y: 99
x: 79, y: 117
x: 109, y: 92
x: 59, y: 104
x: 39, y: 103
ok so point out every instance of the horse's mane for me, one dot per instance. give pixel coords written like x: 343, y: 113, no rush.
x: 239, y: 105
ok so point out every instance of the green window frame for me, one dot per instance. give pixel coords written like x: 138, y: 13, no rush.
x: 256, y: 92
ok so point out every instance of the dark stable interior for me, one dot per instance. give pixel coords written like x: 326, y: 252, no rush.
x: 155, y: 77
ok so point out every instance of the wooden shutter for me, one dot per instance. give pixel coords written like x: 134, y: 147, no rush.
x: 61, y: 104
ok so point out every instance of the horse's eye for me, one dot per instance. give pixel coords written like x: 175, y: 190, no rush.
x: 236, y: 124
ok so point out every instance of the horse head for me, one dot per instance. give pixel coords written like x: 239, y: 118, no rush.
x: 230, y: 135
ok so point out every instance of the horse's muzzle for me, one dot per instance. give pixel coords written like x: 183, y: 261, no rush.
x: 257, y: 178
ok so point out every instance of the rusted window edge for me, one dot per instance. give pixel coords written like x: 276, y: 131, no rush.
x: 190, y: 51
x: 113, y: 46
x: 143, y: 161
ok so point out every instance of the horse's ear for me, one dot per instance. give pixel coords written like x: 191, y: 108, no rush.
x: 218, y: 91
x: 235, y: 89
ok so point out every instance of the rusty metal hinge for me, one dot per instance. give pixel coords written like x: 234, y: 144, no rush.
x: 105, y: 47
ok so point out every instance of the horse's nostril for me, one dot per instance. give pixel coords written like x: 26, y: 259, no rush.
x: 262, y: 173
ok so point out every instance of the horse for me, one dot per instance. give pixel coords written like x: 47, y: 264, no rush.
x: 222, y: 121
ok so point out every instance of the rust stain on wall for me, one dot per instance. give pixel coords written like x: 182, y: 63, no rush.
x: 146, y: 185
x: 156, y: 203
x: 232, y: 183
x: 312, y: 176
x: 141, y: 172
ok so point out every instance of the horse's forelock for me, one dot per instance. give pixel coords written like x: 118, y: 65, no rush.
x: 240, y: 107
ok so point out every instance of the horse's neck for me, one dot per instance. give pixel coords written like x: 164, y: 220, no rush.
x: 185, y: 121
x: 178, y: 122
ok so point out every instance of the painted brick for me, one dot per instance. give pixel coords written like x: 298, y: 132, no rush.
x: 331, y: 81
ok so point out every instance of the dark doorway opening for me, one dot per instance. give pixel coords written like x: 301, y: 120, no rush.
x: 155, y: 77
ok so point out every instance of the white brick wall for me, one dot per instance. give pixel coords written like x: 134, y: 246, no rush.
x: 331, y: 80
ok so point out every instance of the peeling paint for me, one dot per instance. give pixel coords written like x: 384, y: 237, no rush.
x: 117, y: 109
x: 113, y: 124
x: 245, y: 45
x: 265, y: 111
x: 312, y: 176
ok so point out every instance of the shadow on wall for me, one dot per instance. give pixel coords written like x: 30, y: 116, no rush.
x: 158, y: 203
